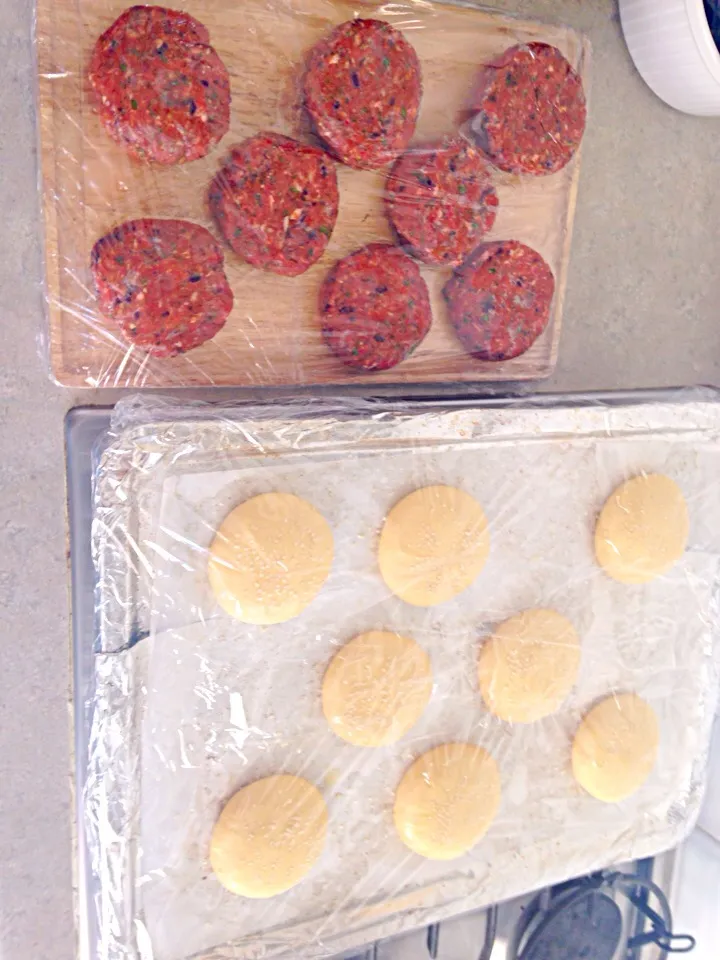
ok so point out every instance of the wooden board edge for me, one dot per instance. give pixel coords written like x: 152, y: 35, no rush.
x: 46, y: 32
x: 44, y: 38
x: 570, y: 218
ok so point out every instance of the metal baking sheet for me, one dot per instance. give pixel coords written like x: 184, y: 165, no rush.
x: 84, y: 427
x: 201, y: 705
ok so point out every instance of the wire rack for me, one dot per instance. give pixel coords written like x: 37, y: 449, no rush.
x: 578, y: 918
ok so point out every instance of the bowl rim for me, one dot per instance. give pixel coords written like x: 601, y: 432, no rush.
x: 700, y: 28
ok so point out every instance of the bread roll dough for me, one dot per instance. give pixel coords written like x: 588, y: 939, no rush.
x: 447, y: 800
x: 529, y: 665
x: 433, y: 545
x: 376, y: 688
x: 615, y: 747
x: 270, y: 557
x: 642, y: 530
x: 268, y: 836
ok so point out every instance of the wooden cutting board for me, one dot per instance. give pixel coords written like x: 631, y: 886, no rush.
x: 272, y: 338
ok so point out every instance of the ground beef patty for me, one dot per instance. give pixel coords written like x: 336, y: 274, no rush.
x: 499, y: 300
x: 160, y: 89
x: 532, y: 110
x: 163, y: 282
x: 375, y: 307
x: 441, y: 201
x: 362, y: 90
x: 276, y: 201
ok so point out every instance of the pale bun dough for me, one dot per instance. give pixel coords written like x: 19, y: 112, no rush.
x: 269, y: 559
x: 433, y: 544
x: 268, y: 836
x: 642, y: 530
x: 529, y: 665
x: 615, y: 747
x: 447, y: 800
x: 376, y: 688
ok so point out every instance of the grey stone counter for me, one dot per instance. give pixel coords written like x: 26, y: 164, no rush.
x: 643, y: 309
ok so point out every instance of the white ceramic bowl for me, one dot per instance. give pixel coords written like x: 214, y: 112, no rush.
x: 674, y: 51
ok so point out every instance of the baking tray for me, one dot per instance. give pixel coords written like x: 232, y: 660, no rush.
x: 189, y: 706
x: 272, y: 337
x: 86, y: 430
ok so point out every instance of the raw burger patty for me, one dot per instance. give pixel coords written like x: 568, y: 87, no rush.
x: 160, y: 89
x: 441, y: 201
x: 163, y: 282
x: 375, y: 307
x: 499, y: 300
x: 531, y: 110
x: 362, y: 90
x: 276, y: 201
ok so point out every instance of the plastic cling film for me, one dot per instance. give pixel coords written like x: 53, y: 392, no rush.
x: 383, y: 763
x: 207, y: 173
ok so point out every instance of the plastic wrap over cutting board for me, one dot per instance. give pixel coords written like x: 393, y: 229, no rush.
x: 257, y: 327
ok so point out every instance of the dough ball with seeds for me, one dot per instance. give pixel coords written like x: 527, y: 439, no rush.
x: 433, y: 545
x: 615, y: 747
x: 529, y: 665
x: 376, y: 688
x: 447, y: 800
x: 642, y: 530
x: 270, y: 557
x: 269, y: 836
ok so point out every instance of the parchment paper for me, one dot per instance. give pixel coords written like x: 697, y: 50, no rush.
x: 221, y: 703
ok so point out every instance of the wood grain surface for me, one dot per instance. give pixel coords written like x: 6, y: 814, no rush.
x: 272, y: 338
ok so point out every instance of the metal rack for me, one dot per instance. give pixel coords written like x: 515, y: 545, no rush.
x: 608, y: 915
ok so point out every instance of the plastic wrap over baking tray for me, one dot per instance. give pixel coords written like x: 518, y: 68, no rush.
x: 192, y: 705
x: 276, y: 331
